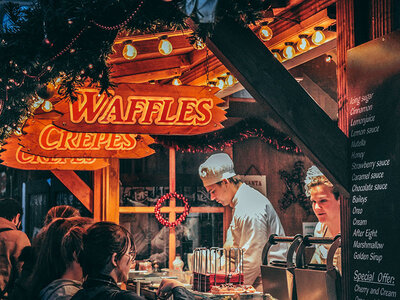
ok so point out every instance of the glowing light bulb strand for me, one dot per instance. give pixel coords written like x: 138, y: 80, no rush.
x: 68, y: 47
x: 70, y: 44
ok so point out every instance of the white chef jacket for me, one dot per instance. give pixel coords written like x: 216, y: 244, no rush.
x: 254, y: 220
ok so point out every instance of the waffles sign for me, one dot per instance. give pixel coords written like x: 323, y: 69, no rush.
x: 145, y: 108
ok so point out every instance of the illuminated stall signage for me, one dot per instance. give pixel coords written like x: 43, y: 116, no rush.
x: 15, y: 158
x: 145, y: 108
x: 47, y: 140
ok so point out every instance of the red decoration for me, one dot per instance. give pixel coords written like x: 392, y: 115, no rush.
x: 180, y: 219
x: 219, y: 140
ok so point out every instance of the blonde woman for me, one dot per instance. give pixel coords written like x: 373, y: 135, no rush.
x: 326, y: 206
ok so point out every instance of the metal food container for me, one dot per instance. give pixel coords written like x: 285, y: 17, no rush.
x: 216, y: 266
x: 314, y: 281
x: 278, y: 276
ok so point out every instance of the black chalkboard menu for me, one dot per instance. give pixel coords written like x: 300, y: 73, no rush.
x: 374, y: 130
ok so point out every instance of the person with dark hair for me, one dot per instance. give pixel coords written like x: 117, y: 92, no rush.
x: 30, y: 255
x: 60, y: 211
x: 107, y: 256
x: 57, y: 273
x: 254, y: 218
x: 324, y: 197
x: 12, y: 241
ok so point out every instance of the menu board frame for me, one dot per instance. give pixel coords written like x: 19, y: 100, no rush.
x: 373, y: 77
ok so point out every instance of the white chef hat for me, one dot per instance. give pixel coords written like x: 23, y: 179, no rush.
x: 314, y: 175
x: 216, y: 168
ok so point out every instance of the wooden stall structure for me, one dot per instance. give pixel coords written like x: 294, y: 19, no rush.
x: 274, y: 95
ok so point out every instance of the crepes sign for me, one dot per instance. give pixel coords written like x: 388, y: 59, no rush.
x: 13, y: 156
x: 45, y: 139
x: 144, y: 108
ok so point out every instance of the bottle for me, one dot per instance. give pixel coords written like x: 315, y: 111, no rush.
x: 178, y: 263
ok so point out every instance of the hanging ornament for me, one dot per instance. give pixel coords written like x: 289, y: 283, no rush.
x: 46, y: 91
x: 182, y: 217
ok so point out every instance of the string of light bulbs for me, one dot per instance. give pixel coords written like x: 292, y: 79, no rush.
x: 291, y: 49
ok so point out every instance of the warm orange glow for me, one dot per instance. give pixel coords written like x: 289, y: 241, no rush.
x: 18, y: 131
x: 303, y: 44
x: 129, y: 51
x: 229, y: 80
x: 47, y: 106
x: 199, y: 44
x: 318, y: 36
x: 288, y: 51
x: 26, y: 158
x: 165, y: 46
x: 328, y: 58
x: 54, y: 138
x: 276, y: 54
x: 265, y: 33
x: 141, y: 110
x: 37, y: 102
x: 176, y: 81
x: 220, y: 83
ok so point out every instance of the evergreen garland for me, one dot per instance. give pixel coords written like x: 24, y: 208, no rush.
x: 219, y: 140
x: 70, y: 40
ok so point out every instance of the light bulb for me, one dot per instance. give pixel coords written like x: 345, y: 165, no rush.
x: 288, y: 51
x: 328, y: 58
x: 220, y: 83
x: 265, y: 33
x: 212, y: 84
x: 165, y: 46
x: 18, y: 131
x: 129, y: 51
x: 318, y: 36
x: 176, y: 81
x: 229, y: 80
x: 303, y: 44
x: 276, y: 54
x: 199, y: 44
x: 47, y: 106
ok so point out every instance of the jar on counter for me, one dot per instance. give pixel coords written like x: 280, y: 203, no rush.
x: 178, y: 263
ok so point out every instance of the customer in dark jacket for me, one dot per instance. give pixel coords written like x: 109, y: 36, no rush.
x: 29, y: 255
x: 108, y: 253
x: 57, y: 275
x: 12, y: 241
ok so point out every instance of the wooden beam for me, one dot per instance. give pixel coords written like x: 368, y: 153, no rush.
x: 198, y: 74
x: 172, y: 205
x: 146, y: 77
x: 76, y: 186
x: 145, y: 66
x: 112, y: 201
x: 278, y: 92
x: 97, y: 175
x: 166, y: 209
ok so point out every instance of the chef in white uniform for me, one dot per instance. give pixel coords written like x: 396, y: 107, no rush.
x: 254, y: 218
